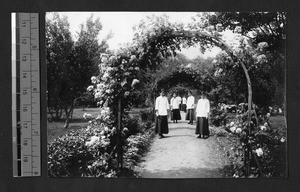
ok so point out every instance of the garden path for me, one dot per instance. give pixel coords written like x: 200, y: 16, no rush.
x: 182, y: 155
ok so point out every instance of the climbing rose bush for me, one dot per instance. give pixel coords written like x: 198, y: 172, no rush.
x: 266, y: 143
x: 118, y: 79
x: 91, y: 152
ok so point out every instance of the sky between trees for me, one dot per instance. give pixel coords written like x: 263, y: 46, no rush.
x: 121, y: 24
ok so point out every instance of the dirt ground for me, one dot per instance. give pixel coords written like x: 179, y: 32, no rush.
x: 182, y: 155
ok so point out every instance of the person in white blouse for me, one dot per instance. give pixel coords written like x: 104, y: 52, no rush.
x: 183, y: 106
x: 175, y: 102
x: 162, y: 110
x: 190, y: 105
x: 202, y: 114
x: 179, y: 101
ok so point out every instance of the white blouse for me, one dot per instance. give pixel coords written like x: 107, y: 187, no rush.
x: 183, y: 100
x: 190, y: 102
x: 162, y: 105
x: 179, y: 99
x: 175, y: 103
x: 203, y: 108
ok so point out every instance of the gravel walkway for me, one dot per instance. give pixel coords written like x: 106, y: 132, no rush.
x: 182, y: 155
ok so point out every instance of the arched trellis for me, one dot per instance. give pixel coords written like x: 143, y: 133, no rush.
x: 182, y: 77
x: 217, y: 41
x: 178, y: 37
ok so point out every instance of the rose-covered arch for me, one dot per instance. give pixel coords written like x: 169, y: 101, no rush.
x: 172, y: 39
x: 183, y: 81
x: 217, y: 41
x: 121, y: 74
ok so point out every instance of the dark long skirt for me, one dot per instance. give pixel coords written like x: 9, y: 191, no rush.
x: 190, y: 115
x: 183, y: 107
x: 175, y: 114
x: 161, y: 125
x: 202, y: 126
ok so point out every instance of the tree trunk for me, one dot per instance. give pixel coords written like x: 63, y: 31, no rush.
x: 68, y: 113
x: 119, y: 139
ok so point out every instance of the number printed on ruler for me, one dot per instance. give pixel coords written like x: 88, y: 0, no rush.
x: 29, y: 94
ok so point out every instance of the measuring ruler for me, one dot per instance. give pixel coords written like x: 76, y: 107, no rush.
x: 26, y: 108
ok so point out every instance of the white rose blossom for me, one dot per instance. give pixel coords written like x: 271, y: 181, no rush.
x: 233, y: 129
x: 114, y: 130
x: 105, y: 76
x: 262, y: 45
x: 93, y: 140
x: 261, y: 58
x: 282, y: 140
x: 90, y: 88
x: 132, y: 57
x: 134, y: 82
x: 238, y: 130
x: 104, y: 59
x: 126, y: 93
x: 263, y: 128
x: 87, y: 116
x: 98, y: 95
x: 100, y: 86
x: 109, y: 69
x: 94, y: 79
x: 259, y: 152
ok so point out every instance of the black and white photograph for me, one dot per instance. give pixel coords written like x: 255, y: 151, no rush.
x: 166, y: 94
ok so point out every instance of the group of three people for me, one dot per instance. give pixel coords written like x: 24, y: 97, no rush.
x: 162, y: 109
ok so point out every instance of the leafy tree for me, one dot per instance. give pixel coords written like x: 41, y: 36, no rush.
x: 59, y: 51
x: 70, y: 71
x: 229, y: 81
x: 258, y: 28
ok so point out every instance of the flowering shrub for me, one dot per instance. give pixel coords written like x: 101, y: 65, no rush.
x: 90, y: 152
x: 218, y: 116
x: 135, y: 147
x: 118, y: 79
x: 264, y: 142
x: 83, y: 152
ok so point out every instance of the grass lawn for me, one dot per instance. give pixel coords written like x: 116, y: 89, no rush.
x: 56, y: 129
